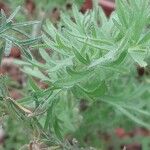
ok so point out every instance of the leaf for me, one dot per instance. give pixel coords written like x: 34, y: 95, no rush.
x: 140, y: 15
x: 145, y: 38
x: 120, y: 59
x: 5, y: 27
x: 79, y: 57
x: 26, y: 52
x: 33, y: 85
x: 57, y: 128
x: 1, y: 54
x: 29, y: 41
x: 48, y: 101
x: 77, y: 15
x: 87, y: 38
x: 50, y: 29
x: 28, y: 23
x: 88, y: 58
x: 73, y: 72
x: 3, y: 15
x: 21, y: 62
x: 8, y: 47
x: 91, y: 44
x: 118, y: 25
x: 21, y: 32
x: 13, y: 14
x: 48, y: 117
x: 132, y: 117
x: 35, y: 73
x: 122, y: 14
x: 53, y: 46
x: 47, y: 57
x: 102, y: 16
x: 60, y: 64
x: 73, y: 80
x: 113, y: 55
x: 68, y: 23
x: 98, y: 91
x: 141, y: 111
x: 61, y: 45
x: 138, y: 56
x: 128, y: 114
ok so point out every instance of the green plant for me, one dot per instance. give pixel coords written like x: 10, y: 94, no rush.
x: 93, y: 58
x: 12, y: 34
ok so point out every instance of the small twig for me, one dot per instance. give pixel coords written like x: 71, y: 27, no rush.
x: 19, y: 106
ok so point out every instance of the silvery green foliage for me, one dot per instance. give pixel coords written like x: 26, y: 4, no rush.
x: 12, y: 33
x: 93, y: 58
